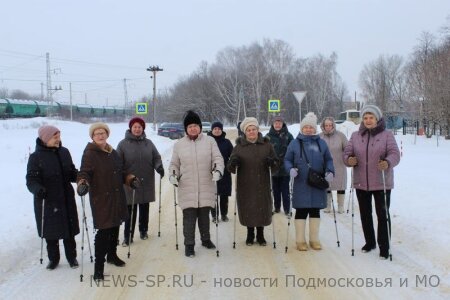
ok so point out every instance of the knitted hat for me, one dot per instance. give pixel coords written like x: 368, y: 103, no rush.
x: 373, y: 110
x: 310, y: 119
x: 278, y: 118
x: 191, y: 117
x: 98, y: 125
x: 217, y: 124
x: 247, y: 122
x: 46, y: 132
x: 136, y: 119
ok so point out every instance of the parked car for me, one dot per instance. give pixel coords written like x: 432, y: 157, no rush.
x: 171, y: 130
x: 206, y: 126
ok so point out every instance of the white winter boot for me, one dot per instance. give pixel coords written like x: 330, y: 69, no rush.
x: 300, y: 225
x: 340, y: 201
x: 328, y: 208
x: 314, y: 225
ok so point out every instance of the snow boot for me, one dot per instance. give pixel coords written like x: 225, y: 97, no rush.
x: 73, y: 263
x: 260, y: 236
x: 367, y: 248
x: 189, y: 251
x: 98, y: 271
x: 340, y: 201
x: 300, y: 225
x: 52, y: 264
x: 314, y: 225
x: 112, y: 258
x: 328, y: 209
x: 250, y: 236
x: 208, y: 244
x: 144, y: 235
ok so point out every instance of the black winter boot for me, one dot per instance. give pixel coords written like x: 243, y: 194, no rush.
x: 52, y: 264
x: 189, y: 251
x: 112, y: 257
x: 98, y: 271
x: 208, y: 244
x: 260, y: 236
x: 250, y: 236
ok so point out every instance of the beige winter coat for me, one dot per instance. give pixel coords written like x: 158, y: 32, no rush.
x: 193, y: 162
x: 336, y: 142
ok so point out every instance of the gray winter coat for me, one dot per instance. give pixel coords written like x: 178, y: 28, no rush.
x: 336, y: 142
x: 140, y: 158
x: 369, y: 146
x: 193, y: 163
x: 253, y: 195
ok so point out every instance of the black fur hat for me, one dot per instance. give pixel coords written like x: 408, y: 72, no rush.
x: 191, y: 117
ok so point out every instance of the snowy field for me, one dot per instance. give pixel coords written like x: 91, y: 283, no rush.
x: 156, y: 270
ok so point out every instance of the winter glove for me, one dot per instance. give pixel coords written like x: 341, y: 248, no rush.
x: 135, y: 183
x: 173, y: 180
x: 216, y: 175
x: 42, y: 193
x: 383, y: 165
x: 329, y: 176
x: 234, y: 162
x: 160, y: 171
x: 82, y: 189
x: 270, y: 162
x: 352, y: 161
x: 293, y: 172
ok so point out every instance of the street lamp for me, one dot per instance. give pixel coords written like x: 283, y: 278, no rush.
x: 154, y: 69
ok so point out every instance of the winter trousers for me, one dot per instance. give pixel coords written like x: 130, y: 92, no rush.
x: 365, y: 209
x: 223, y: 205
x: 70, y: 249
x: 143, y: 219
x: 190, y: 216
x: 280, y: 188
x: 105, y: 243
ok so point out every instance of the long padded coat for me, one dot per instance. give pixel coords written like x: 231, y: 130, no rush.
x: 53, y: 169
x: 304, y: 195
x: 193, y: 162
x: 225, y: 147
x: 336, y: 142
x: 369, y: 146
x: 253, y: 191
x: 104, y: 173
x: 140, y: 158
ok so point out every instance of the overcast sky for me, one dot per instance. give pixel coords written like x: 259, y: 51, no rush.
x: 96, y: 44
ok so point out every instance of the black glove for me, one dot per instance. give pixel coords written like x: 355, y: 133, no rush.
x: 160, y: 171
x: 82, y: 189
x: 234, y: 162
x: 270, y: 161
x: 135, y: 183
x: 42, y: 193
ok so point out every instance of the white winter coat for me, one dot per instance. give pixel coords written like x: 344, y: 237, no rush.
x: 193, y: 163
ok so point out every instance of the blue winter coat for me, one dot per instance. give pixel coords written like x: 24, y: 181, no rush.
x: 304, y: 195
x: 225, y: 147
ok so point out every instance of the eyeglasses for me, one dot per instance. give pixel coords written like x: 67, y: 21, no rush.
x: 100, y: 133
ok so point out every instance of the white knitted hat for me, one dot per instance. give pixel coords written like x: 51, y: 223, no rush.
x: 374, y: 110
x: 310, y: 119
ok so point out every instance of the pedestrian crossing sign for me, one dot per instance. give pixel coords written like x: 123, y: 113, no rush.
x: 274, y: 105
x: 141, y: 108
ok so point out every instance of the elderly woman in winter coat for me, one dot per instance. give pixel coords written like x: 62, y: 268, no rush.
x: 224, y: 184
x: 336, y: 142
x: 195, y: 167
x: 251, y: 159
x: 102, y: 175
x: 308, y: 148
x: 141, y: 158
x: 373, y: 153
x: 50, y: 171
x: 280, y: 137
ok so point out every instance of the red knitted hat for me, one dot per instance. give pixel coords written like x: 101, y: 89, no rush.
x: 136, y: 119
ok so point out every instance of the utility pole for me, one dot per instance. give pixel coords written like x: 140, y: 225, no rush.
x: 125, y: 95
x: 42, y: 91
x: 70, y: 98
x: 50, y: 90
x: 154, y: 69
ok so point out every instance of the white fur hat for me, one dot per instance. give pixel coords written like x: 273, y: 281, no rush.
x: 247, y: 122
x: 310, y: 119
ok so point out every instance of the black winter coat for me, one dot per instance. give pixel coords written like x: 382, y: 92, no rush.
x: 225, y: 147
x: 280, y: 141
x: 52, y: 169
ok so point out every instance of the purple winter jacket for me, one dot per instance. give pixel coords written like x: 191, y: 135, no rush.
x: 369, y: 146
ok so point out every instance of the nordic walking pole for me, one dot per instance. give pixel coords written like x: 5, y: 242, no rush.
x: 42, y: 229
x: 235, y: 214
x: 387, y: 215
x: 291, y: 190
x: 351, y: 189
x: 335, y: 223
x: 131, y: 224
x: 175, y: 207
x: 273, y: 223
x: 86, y: 228
x: 217, y: 219
x: 159, y: 209
x: 82, y: 241
x: 353, y: 218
